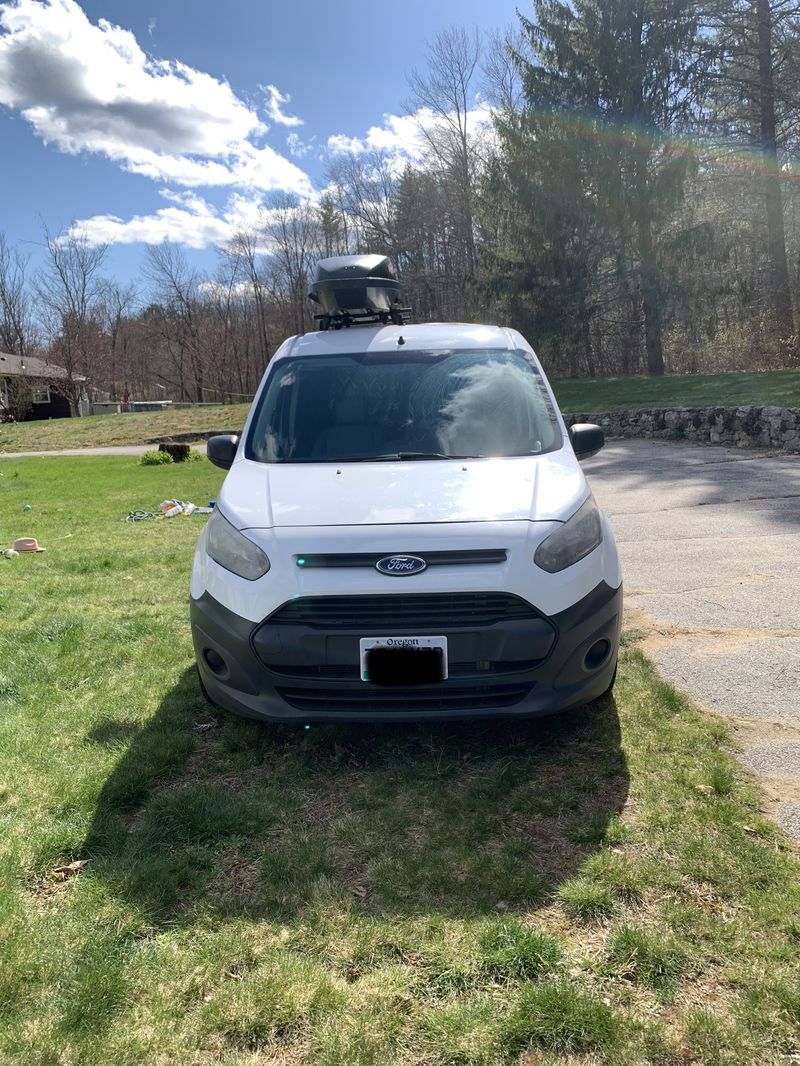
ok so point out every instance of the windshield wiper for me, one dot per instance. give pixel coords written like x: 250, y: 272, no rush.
x: 395, y: 457
x: 409, y: 456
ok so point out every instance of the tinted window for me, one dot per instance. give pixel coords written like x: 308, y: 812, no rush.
x: 465, y: 403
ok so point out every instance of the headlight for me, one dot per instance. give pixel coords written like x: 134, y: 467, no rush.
x: 233, y: 550
x: 578, y: 536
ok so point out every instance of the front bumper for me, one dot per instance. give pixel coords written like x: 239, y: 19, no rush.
x: 503, y: 669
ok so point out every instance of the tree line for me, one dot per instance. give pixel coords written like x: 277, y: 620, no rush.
x: 616, y: 178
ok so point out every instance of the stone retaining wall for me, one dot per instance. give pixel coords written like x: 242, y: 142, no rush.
x: 737, y: 427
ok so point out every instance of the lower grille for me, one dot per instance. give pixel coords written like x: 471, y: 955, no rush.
x: 374, y: 701
x: 427, y: 612
x: 351, y: 671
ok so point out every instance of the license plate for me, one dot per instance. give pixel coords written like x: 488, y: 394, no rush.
x: 403, y: 660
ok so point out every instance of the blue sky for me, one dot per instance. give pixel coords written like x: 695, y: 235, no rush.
x: 147, y: 121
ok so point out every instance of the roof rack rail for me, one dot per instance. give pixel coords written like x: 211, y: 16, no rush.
x: 355, y: 290
x: 344, y: 319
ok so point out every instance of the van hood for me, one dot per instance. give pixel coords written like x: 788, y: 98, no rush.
x: 531, y: 488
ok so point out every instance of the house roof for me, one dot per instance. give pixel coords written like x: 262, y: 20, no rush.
x: 14, y: 366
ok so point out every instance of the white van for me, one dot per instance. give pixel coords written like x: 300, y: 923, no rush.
x: 405, y: 530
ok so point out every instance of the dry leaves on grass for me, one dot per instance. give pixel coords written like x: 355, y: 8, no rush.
x: 70, y: 869
x: 205, y: 727
x: 52, y: 886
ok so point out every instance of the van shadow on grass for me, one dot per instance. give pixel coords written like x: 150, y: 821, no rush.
x: 206, y: 812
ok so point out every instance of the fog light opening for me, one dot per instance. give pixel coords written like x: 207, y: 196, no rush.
x: 215, y: 662
x: 597, y: 654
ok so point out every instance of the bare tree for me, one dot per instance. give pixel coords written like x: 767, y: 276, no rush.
x: 502, y: 84
x: 176, y: 287
x: 16, y: 327
x: 243, y: 250
x: 366, y: 186
x: 118, y: 303
x: 16, y: 400
x: 292, y: 229
x: 333, y: 226
x: 70, y: 289
x: 446, y: 91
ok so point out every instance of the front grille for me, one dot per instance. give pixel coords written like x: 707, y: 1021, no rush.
x: 374, y: 701
x: 426, y: 612
x: 352, y: 560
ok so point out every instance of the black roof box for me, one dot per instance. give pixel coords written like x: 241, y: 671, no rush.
x: 354, y: 289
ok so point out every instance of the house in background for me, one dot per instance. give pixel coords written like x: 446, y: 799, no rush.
x: 39, y: 380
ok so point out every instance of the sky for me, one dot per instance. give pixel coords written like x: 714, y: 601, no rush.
x: 146, y: 121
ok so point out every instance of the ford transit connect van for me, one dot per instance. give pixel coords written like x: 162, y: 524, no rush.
x: 405, y: 530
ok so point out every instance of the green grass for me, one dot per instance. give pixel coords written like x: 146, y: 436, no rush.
x: 778, y: 387
x: 598, y: 888
x: 645, y: 957
x: 559, y: 1016
x: 101, y: 431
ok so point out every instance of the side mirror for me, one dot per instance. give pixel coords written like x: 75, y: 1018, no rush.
x: 586, y: 439
x: 221, y: 450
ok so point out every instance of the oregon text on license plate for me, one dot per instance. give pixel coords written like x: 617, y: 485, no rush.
x: 403, y: 660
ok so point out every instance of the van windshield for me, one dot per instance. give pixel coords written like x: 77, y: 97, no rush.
x: 403, y: 405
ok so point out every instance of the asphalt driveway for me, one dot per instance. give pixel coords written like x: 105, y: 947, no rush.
x: 710, y: 545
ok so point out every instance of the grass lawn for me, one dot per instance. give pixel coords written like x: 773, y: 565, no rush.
x: 600, y: 888
x: 102, y: 431
x: 779, y: 387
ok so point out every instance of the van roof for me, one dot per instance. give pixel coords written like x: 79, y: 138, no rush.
x: 385, y: 338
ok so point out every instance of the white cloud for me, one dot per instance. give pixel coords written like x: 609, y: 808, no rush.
x: 401, y: 134
x: 404, y: 136
x: 340, y: 144
x: 240, y: 290
x: 91, y: 88
x: 298, y: 147
x: 274, y: 101
x: 189, y: 220
x: 253, y: 168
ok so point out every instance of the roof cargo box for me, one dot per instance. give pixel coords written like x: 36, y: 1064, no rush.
x: 356, y: 289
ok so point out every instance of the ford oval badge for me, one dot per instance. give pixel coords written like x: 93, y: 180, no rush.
x: 401, y: 565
